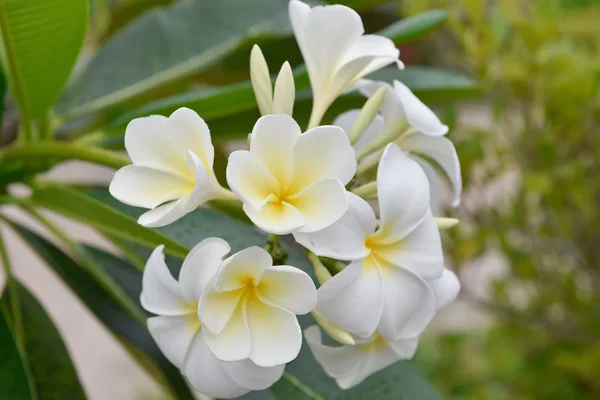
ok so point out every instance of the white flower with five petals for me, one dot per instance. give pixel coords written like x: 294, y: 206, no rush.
x: 385, y: 286
x: 177, y: 329
x: 350, y: 365
x: 291, y: 181
x: 336, y: 51
x: 172, y: 170
x: 425, y: 138
x: 249, y: 310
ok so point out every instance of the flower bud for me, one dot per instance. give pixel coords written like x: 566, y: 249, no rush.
x: 446, y: 223
x: 261, y: 81
x: 367, y: 114
x: 337, y: 333
x: 285, y: 91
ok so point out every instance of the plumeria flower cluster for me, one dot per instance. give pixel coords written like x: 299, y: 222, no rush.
x: 229, y: 322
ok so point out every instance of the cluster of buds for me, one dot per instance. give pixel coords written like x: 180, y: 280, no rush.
x: 229, y: 322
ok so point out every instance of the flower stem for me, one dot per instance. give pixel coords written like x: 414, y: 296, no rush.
x: 319, y: 109
x: 366, y: 191
x: 273, y: 246
x: 64, y: 151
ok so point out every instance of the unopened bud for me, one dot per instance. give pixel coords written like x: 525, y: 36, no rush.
x: 337, y: 333
x: 367, y: 115
x: 446, y: 223
x: 285, y: 91
x: 261, y: 81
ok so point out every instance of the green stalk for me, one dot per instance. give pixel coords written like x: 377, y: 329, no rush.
x: 64, y: 151
x: 13, y: 294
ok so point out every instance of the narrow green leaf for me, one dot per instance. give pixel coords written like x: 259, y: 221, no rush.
x: 40, y: 43
x: 99, y: 301
x: 14, y: 382
x: 79, y: 206
x: 51, y: 369
x: 167, y: 44
x: 411, y: 28
x: 304, y: 379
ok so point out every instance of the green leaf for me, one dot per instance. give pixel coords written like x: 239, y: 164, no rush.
x: 40, y: 43
x: 167, y: 44
x: 79, y: 206
x: 14, y: 380
x: 305, y: 379
x: 414, y: 27
x: 53, y: 376
x: 99, y: 301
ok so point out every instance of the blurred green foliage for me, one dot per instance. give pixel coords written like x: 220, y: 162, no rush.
x: 539, y: 64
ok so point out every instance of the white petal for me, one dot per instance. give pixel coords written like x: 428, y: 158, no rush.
x: 232, y: 343
x: 442, y: 151
x: 329, y: 33
x: 249, y: 180
x: 345, y: 239
x: 346, y: 121
x: 217, y: 308
x: 419, y: 116
x: 249, y: 375
x: 403, y: 192
x: 200, y: 265
x: 289, y: 288
x: 277, y: 218
x: 409, y: 304
x: 353, y: 298
x: 321, y: 204
x: 338, y: 362
x: 419, y: 251
x: 391, y: 109
x: 206, y: 373
x: 165, y: 214
x: 445, y: 288
x: 405, y: 348
x: 189, y: 132
x: 160, y: 291
x: 298, y: 13
x: 436, y: 186
x: 173, y: 335
x: 272, y: 144
x: 380, y: 356
x: 207, y: 188
x: 244, y: 267
x: 148, y: 145
x: 146, y: 187
x: 275, y: 334
x: 320, y: 153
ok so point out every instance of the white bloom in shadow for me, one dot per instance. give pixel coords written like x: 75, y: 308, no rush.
x: 249, y: 310
x: 384, y: 287
x: 172, y: 170
x: 289, y: 181
x: 425, y: 138
x: 177, y: 329
x: 336, y: 51
x: 350, y: 365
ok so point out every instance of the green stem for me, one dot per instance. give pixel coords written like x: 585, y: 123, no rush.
x: 273, y: 246
x: 369, y: 163
x: 13, y: 292
x: 44, y: 127
x: 90, y: 265
x: 64, y: 151
x: 366, y: 191
x: 318, y: 111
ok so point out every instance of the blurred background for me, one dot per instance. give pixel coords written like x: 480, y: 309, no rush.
x: 527, y: 323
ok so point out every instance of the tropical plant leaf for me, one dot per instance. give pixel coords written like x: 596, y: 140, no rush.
x: 166, y: 44
x: 14, y: 381
x: 99, y: 301
x: 53, y: 376
x: 79, y: 206
x: 411, y: 28
x: 40, y: 43
x: 304, y: 379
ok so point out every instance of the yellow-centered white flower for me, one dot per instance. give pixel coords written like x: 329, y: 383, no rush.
x: 172, y: 170
x: 180, y: 335
x: 350, y: 365
x: 289, y: 181
x: 336, y: 51
x: 249, y: 310
x: 425, y: 136
x: 385, y: 286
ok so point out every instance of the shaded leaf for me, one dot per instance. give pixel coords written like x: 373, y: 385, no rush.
x: 14, y: 382
x: 411, y: 28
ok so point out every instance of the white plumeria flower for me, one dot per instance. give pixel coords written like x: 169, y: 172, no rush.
x: 336, y: 51
x: 177, y: 329
x: 249, y: 310
x: 350, y: 365
x: 385, y: 286
x: 172, y: 170
x: 425, y: 137
x: 290, y: 181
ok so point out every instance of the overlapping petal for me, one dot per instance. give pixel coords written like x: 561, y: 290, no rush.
x: 419, y: 116
x: 160, y: 291
x: 242, y: 268
x: 320, y: 204
x: 289, y: 288
x: 445, y: 288
x: 174, y: 335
